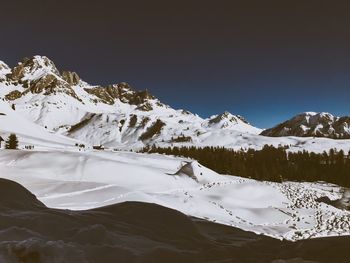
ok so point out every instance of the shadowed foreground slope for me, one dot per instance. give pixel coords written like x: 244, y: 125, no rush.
x: 138, y: 232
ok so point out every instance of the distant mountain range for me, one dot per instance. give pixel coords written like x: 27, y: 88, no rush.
x: 119, y: 116
x: 313, y: 124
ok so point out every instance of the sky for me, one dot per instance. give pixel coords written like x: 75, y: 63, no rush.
x: 265, y: 60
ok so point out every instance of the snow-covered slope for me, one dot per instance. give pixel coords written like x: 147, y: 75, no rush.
x: 4, y: 70
x: 55, y: 110
x: 229, y: 121
x: 28, y: 132
x: 313, y: 124
x: 117, y: 116
x: 81, y: 180
x: 114, y: 115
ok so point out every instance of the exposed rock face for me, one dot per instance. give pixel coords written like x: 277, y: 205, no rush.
x: 13, y: 95
x: 153, y: 130
x: 104, y: 94
x: 115, y: 115
x: 227, y: 116
x: 34, y: 67
x: 47, y: 82
x: 145, y: 107
x: 312, y: 124
x: 40, y: 75
x: 139, y: 97
x: 124, y: 93
x: 71, y: 78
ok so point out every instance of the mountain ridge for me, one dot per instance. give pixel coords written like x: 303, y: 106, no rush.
x: 118, y: 116
x: 114, y: 115
x: 312, y: 124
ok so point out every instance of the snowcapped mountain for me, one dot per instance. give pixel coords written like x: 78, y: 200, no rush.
x: 227, y: 120
x: 58, y: 111
x: 114, y: 115
x: 118, y: 116
x: 313, y: 124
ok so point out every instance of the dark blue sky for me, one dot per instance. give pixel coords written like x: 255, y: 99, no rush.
x: 266, y: 60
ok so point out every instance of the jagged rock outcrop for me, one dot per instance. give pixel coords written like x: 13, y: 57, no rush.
x: 124, y: 93
x: 13, y: 95
x: 38, y: 75
x: 71, y: 78
x: 104, y: 94
x: 311, y: 124
x: 114, y: 115
x: 32, y: 68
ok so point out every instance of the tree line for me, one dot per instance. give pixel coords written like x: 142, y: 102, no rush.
x: 269, y: 163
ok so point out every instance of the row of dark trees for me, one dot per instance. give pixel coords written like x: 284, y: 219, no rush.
x: 270, y: 163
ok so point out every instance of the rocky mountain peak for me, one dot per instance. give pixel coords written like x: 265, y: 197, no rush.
x: 228, y: 121
x: 315, y: 124
x: 226, y: 116
x: 36, y: 75
x: 33, y: 68
x: 314, y: 117
x: 116, y: 114
x: 39, y: 74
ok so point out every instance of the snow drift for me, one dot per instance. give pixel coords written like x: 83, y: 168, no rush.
x: 90, y: 179
x: 137, y: 232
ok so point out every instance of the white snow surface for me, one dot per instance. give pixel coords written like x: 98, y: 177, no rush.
x: 65, y: 176
x: 4, y: 69
x: 28, y: 132
x: 88, y: 119
x: 89, y: 179
x: 109, y: 125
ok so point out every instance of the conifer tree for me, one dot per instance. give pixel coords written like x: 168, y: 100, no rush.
x: 269, y: 163
x: 12, y: 142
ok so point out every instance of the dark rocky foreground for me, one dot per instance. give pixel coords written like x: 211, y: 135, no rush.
x: 138, y: 232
